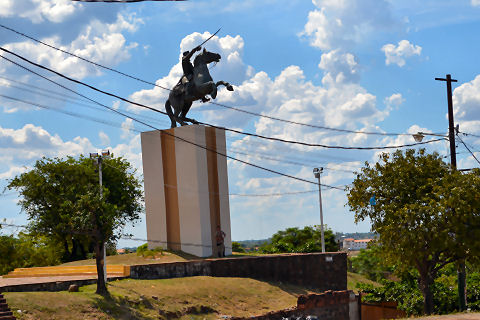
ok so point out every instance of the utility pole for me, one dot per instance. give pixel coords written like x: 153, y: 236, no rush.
x: 462, y: 292
x: 317, y: 172
x: 98, y: 160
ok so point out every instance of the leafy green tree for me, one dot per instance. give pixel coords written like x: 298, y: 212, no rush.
x: 307, y: 239
x: 62, y: 202
x: 426, y: 216
x: 237, y: 247
x: 369, y: 263
x: 25, y: 251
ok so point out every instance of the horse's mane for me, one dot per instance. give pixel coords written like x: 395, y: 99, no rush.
x: 197, y: 58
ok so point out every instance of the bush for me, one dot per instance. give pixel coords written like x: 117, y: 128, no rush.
x: 369, y: 263
x: 26, y: 251
x: 303, y: 240
x: 410, y: 299
x: 147, y: 253
x: 473, y: 291
x: 237, y: 247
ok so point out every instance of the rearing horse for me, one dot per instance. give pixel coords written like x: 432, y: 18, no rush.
x: 183, y: 94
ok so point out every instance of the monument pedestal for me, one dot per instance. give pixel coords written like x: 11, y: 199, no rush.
x: 186, y: 189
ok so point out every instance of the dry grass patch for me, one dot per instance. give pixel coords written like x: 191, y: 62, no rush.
x: 354, y: 278
x: 182, y: 298
x: 133, y: 258
x: 455, y: 316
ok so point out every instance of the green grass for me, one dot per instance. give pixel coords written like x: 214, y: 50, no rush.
x: 187, y: 298
x: 354, y: 278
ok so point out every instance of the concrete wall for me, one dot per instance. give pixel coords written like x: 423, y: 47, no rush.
x: 186, y: 189
x: 321, y: 271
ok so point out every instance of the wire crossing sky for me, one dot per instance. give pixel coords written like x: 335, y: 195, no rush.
x: 317, y: 84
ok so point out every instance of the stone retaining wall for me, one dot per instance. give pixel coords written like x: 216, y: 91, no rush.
x: 330, y: 305
x: 51, y: 286
x: 321, y: 271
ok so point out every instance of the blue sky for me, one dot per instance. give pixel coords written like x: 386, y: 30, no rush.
x: 362, y: 65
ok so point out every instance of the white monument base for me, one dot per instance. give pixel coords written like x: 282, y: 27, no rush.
x: 186, y: 189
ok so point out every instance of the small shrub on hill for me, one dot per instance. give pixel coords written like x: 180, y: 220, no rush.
x: 149, y: 253
x: 237, y: 247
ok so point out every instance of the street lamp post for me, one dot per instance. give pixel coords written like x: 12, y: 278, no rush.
x: 317, y: 172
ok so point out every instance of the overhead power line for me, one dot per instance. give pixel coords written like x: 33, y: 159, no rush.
x: 68, y: 98
x: 124, y: 237
x: 212, y: 102
x: 470, y: 134
x: 473, y: 155
x: 73, y: 100
x: 73, y: 114
x: 167, y: 133
x: 213, y: 126
x: 193, y: 190
x: 26, y: 84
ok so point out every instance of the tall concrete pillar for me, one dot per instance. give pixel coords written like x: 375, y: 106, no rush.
x: 186, y: 189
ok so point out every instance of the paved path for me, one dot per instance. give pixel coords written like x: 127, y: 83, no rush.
x: 464, y: 316
x: 21, y: 281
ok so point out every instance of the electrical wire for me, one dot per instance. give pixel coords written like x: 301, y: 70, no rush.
x: 166, y: 132
x: 470, y: 134
x: 73, y: 100
x: 38, y: 90
x: 213, y: 126
x: 77, y: 115
x: 122, y: 237
x: 473, y: 155
x: 260, y: 156
x: 214, y: 103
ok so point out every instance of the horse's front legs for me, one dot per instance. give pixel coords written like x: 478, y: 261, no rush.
x: 226, y: 84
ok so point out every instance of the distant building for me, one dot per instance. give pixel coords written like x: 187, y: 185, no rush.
x: 121, y: 251
x: 352, y: 244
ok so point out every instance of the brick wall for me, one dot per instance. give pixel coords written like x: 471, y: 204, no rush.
x: 321, y: 271
x: 330, y: 305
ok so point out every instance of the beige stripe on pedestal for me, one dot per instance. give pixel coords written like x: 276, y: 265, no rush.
x: 171, y: 196
x: 214, y: 194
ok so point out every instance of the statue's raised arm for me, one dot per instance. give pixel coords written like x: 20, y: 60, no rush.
x: 195, y: 84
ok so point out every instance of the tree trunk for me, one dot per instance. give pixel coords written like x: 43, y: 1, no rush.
x: 101, y: 286
x: 75, y: 256
x: 66, y: 255
x: 425, y: 283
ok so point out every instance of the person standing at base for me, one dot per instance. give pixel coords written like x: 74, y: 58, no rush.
x: 220, y: 237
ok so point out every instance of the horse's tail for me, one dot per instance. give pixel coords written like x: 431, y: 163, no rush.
x: 168, y: 108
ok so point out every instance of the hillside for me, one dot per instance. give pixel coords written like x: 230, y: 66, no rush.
x: 146, y: 299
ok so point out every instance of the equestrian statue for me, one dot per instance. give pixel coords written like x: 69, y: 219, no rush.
x: 195, y: 84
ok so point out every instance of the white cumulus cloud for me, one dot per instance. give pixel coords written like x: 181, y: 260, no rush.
x: 339, y: 24
x: 231, y: 67
x: 466, y: 106
x: 394, y: 101
x: 40, y: 10
x: 100, y: 42
x: 398, y: 54
x: 339, y: 67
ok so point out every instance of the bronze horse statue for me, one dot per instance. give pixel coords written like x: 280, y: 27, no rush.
x: 185, y: 93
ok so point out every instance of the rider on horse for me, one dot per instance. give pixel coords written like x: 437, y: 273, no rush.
x: 186, y: 80
x: 195, y: 84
